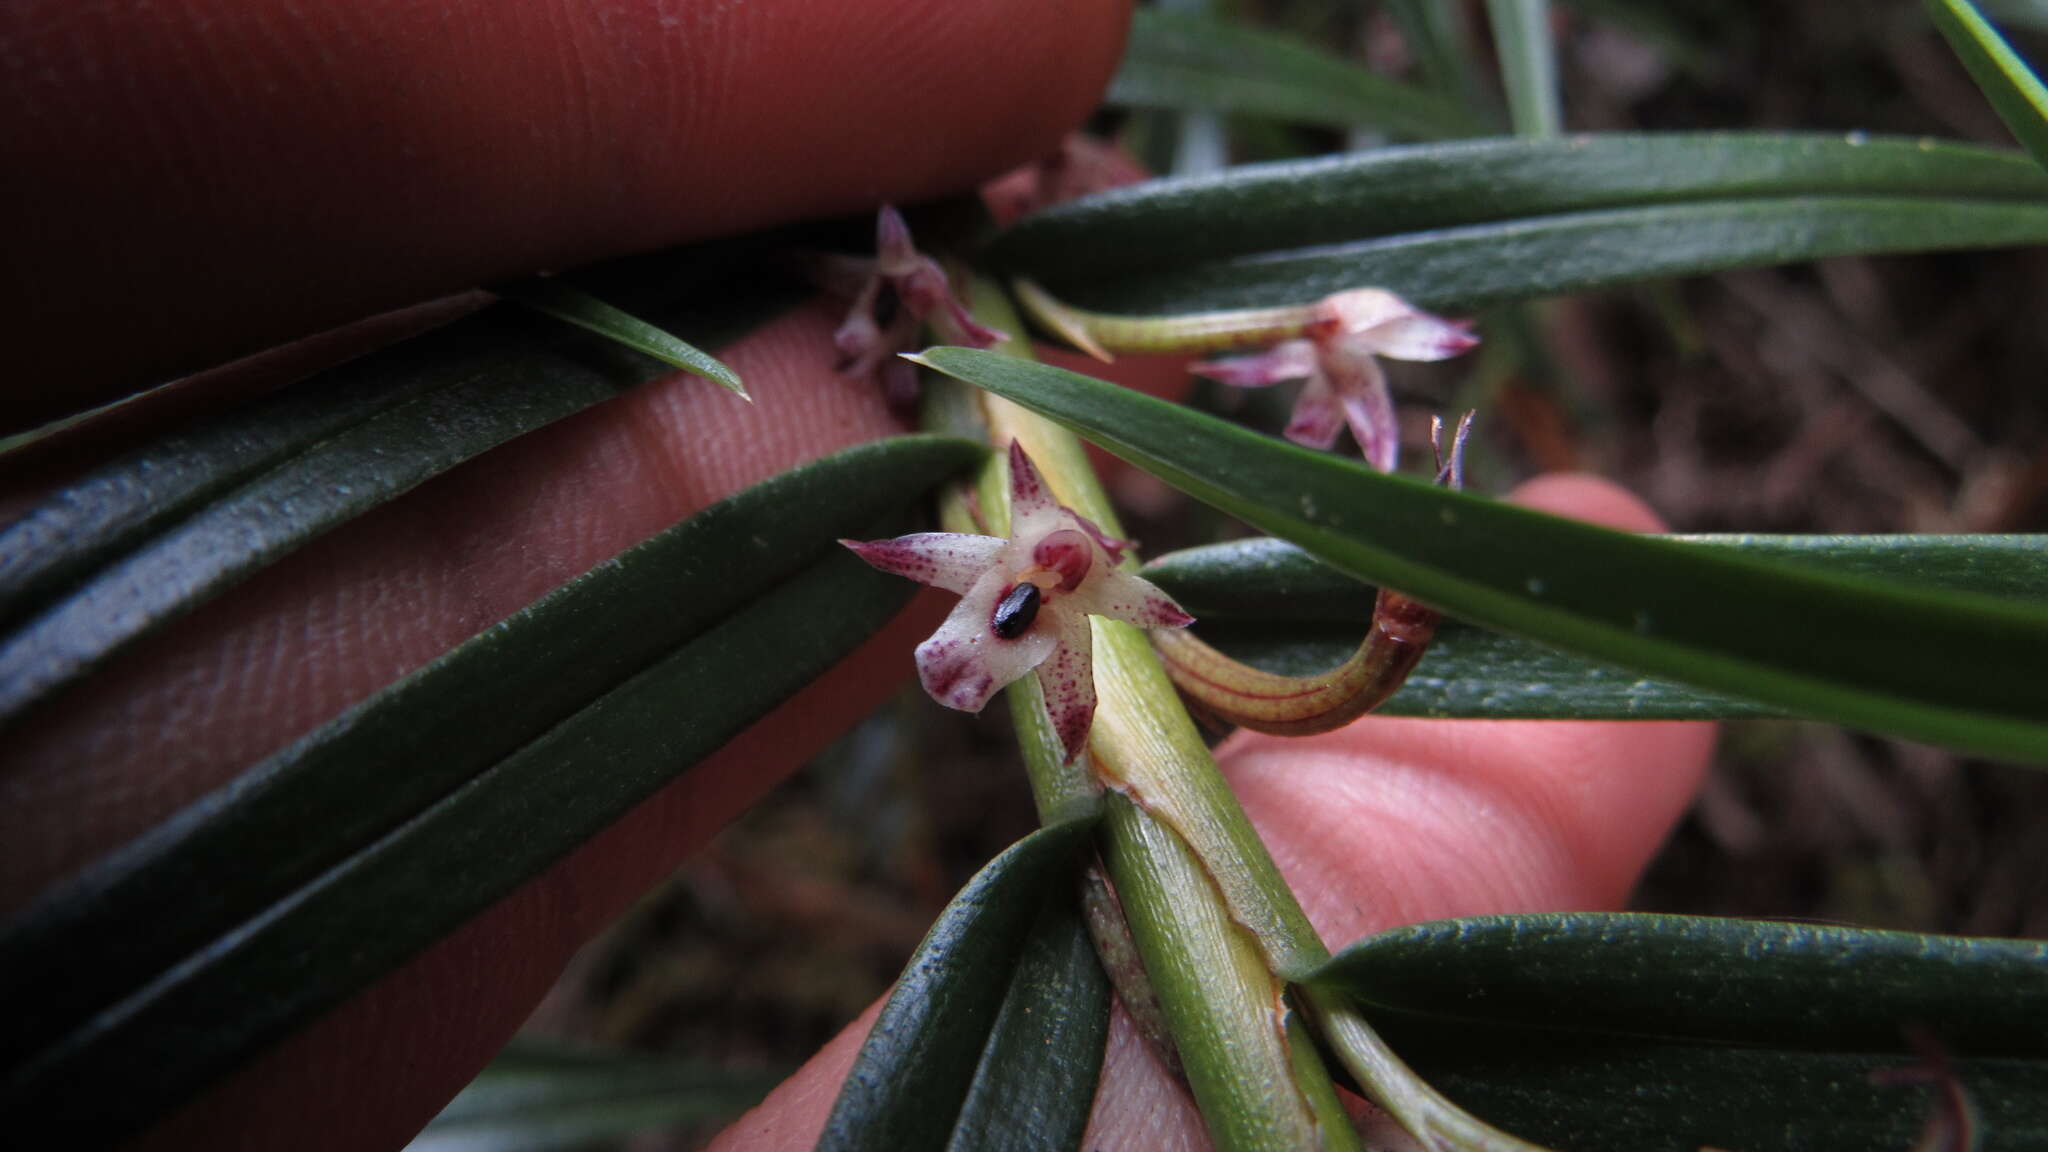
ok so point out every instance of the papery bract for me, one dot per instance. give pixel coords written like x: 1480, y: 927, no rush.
x: 1337, y: 355
x: 1000, y: 631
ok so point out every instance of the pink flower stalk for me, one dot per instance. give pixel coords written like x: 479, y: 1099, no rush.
x: 901, y: 290
x: 1337, y: 356
x: 1024, y: 603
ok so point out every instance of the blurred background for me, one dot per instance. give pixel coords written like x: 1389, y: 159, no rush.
x: 1895, y: 394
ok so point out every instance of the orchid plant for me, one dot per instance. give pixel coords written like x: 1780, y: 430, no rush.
x: 175, y: 961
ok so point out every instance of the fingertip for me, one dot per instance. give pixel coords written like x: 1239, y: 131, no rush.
x: 1584, y: 496
x: 402, y: 151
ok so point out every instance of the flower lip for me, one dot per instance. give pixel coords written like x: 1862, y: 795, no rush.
x: 1066, y: 553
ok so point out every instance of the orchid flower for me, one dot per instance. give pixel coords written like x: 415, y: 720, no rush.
x: 1337, y: 356
x: 1024, y: 603
x: 894, y: 295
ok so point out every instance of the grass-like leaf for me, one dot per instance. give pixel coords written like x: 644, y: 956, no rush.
x: 572, y: 305
x: 174, y: 960
x: 1642, y: 1031
x: 1466, y: 223
x: 1948, y: 667
x: 2011, y: 86
x: 539, y: 1098
x: 1188, y: 62
x: 993, y: 1037
x: 146, y: 539
x: 1528, y: 64
x: 1271, y: 605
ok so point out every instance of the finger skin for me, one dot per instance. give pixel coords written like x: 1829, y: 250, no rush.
x: 182, y: 712
x: 1386, y: 822
x: 215, y: 176
x: 185, y: 711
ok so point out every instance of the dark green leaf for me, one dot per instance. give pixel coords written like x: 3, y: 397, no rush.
x: 1036, y: 1081
x: 1471, y: 673
x: 1948, y: 667
x: 931, y: 1075
x: 1642, y: 1031
x: 1601, y: 1094
x: 572, y: 305
x: 1185, y: 62
x: 407, y: 815
x: 1463, y: 224
x: 146, y: 539
x: 1696, y: 978
x: 1528, y: 64
x: 2011, y: 86
x: 538, y: 1098
x: 1271, y: 605
x: 1266, y: 579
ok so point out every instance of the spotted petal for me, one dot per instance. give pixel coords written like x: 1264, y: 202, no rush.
x: 1317, y: 416
x: 1068, y: 680
x: 965, y: 662
x: 949, y: 560
x: 1287, y: 360
x: 1420, y: 337
x: 1361, y: 389
x: 1390, y: 326
x: 1033, y: 511
x: 1131, y: 599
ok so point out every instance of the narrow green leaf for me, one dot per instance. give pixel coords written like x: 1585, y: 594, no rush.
x: 1473, y: 674
x: 1262, y: 578
x: 103, y: 514
x: 572, y: 305
x: 931, y: 1053
x: 1467, y: 222
x: 1487, y: 264
x: 1186, y: 62
x: 148, y: 538
x: 2011, y: 86
x: 1647, y: 1031
x: 295, y: 943
x: 89, y: 942
x: 1603, y: 1094
x: 539, y: 1097
x: 1036, y: 1081
x: 1273, y: 606
x: 1528, y: 64
x: 1707, y: 980
x: 1948, y: 667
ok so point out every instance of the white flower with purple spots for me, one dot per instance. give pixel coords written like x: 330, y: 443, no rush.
x: 1024, y: 603
x: 1337, y: 356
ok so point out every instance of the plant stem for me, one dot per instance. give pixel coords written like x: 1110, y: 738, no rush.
x: 1210, y: 968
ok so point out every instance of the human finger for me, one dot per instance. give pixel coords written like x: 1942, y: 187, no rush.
x: 215, y: 176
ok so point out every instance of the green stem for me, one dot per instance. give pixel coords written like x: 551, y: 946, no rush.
x: 1208, y: 965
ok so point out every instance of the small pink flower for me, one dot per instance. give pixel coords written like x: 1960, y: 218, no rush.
x: 898, y: 291
x: 1024, y: 603
x: 1336, y: 355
